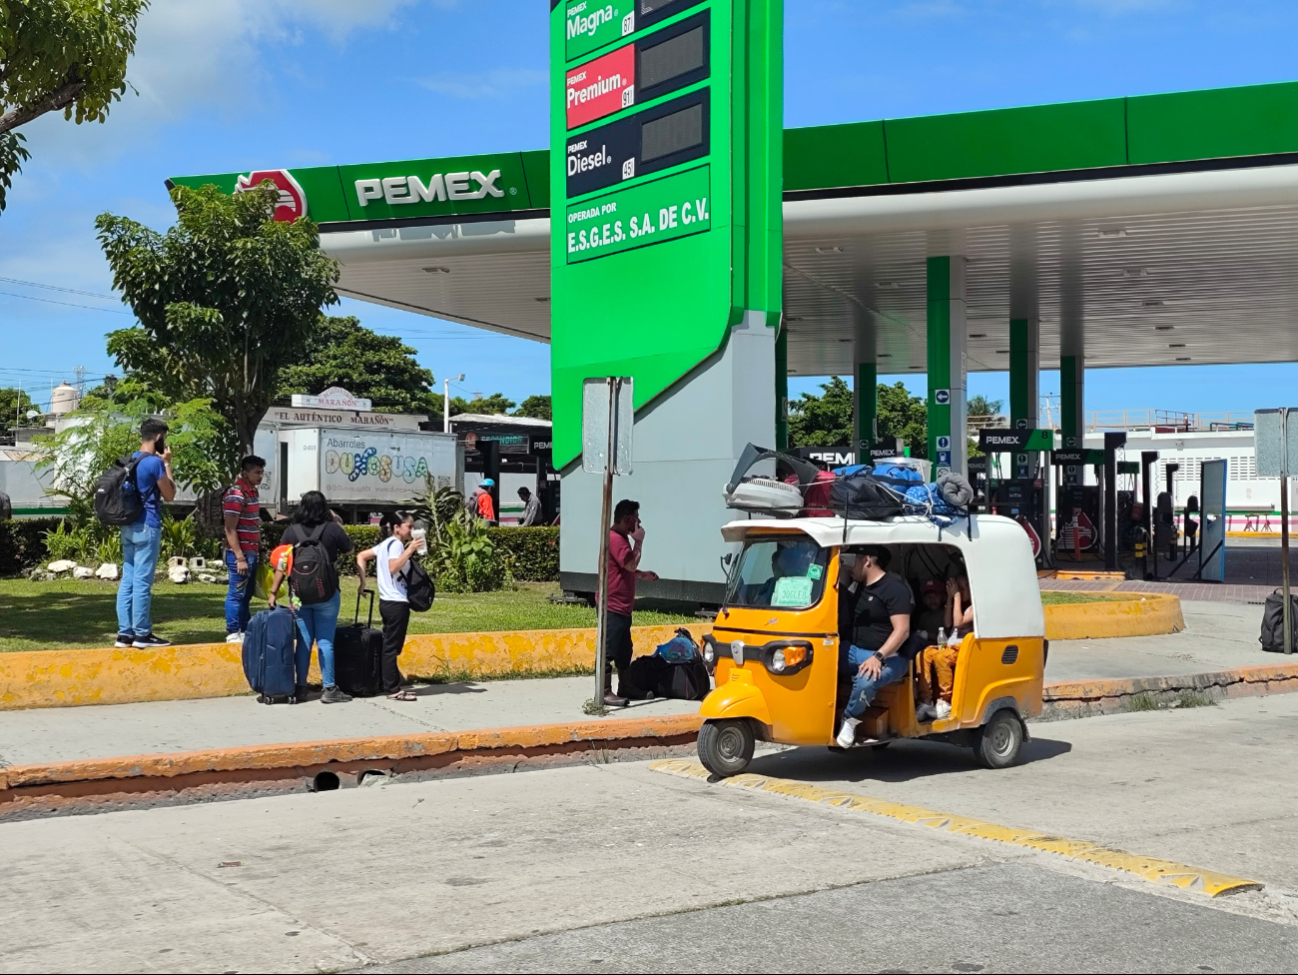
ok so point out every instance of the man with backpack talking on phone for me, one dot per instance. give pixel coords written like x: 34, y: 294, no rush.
x: 241, y: 509
x: 142, y: 483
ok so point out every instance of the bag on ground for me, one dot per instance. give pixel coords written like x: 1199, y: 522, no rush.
x: 268, y: 655
x: 419, y: 587
x: 679, y: 649
x: 358, y: 655
x: 117, y: 496
x: 652, y: 675
x: 314, y: 577
x: 1272, y: 638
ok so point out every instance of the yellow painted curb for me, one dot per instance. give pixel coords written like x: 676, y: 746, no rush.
x: 1124, y: 614
x: 66, y: 678
x: 1165, y: 872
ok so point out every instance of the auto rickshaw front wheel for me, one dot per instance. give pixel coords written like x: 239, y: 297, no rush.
x: 726, y: 747
x: 999, y: 740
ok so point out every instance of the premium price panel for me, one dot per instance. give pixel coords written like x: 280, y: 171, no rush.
x: 665, y: 61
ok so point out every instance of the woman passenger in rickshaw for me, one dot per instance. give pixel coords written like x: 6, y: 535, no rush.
x: 939, y: 660
x: 876, y: 634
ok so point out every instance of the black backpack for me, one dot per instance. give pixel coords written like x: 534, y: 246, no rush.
x: 117, y: 496
x: 865, y: 496
x: 419, y: 587
x: 1272, y: 638
x: 314, y: 577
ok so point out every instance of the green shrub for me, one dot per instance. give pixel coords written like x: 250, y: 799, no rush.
x: 533, y: 552
x: 22, y: 543
x: 464, y: 557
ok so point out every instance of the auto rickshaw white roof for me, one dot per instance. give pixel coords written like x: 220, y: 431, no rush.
x: 996, y: 551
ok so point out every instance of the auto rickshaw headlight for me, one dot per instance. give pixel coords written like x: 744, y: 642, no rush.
x: 786, y: 658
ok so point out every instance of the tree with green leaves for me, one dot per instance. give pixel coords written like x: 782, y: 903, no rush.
x: 60, y: 55
x: 535, y: 407
x: 342, y: 352
x: 822, y: 421
x: 226, y: 299
x: 494, y: 404
x: 14, y: 404
x: 905, y: 416
x: 101, y: 431
x: 826, y: 420
x: 980, y: 405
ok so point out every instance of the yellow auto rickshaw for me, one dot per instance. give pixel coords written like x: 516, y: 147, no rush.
x: 776, y: 641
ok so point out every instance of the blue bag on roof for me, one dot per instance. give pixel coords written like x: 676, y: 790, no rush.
x: 929, y: 500
x: 851, y: 469
x: 897, y: 474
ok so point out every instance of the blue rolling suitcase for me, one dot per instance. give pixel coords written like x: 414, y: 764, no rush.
x: 268, y: 648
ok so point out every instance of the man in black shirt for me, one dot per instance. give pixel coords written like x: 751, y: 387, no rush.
x: 878, y: 628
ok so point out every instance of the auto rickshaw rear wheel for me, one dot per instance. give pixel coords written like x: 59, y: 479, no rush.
x: 726, y: 747
x: 999, y: 740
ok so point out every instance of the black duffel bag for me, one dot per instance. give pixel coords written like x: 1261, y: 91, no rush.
x: 864, y: 496
x: 1272, y: 638
x: 652, y: 676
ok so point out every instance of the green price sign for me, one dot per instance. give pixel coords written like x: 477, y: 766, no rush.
x: 665, y: 169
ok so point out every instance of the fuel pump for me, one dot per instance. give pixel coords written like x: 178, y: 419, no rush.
x: 1078, y: 515
x: 1025, y: 497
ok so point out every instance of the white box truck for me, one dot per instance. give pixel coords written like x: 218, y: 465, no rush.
x: 364, y: 466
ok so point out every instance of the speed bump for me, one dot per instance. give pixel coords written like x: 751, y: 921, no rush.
x: 1168, y: 873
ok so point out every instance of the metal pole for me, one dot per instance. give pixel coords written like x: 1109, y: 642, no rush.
x: 1284, y: 527
x: 446, y: 406
x: 601, y: 641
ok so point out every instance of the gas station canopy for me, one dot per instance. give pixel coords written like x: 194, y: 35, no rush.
x: 1163, y: 226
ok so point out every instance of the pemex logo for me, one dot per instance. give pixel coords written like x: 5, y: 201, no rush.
x: 292, y: 201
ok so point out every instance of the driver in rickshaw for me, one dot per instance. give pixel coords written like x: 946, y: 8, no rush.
x: 876, y: 636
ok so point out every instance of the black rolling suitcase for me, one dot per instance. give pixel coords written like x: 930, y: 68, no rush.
x: 358, y: 655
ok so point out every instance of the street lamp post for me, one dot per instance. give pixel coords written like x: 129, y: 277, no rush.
x: 446, y: 401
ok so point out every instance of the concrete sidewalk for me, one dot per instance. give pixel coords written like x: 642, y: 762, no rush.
x: 1218, y: 637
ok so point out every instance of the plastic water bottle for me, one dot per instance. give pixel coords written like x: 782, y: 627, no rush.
x: 941, y: 636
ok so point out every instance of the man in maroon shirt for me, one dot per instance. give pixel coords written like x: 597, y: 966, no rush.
x: 625, y: 545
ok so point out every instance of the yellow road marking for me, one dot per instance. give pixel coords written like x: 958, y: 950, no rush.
x: 1166, y: 872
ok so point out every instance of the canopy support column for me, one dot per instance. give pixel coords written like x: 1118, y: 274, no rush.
x: 1025, y: 379
x: 947, y: 349
x: 865, y: 391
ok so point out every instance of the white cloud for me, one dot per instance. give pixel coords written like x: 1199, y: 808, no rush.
x: 200, y: 55
x: 488, y: 84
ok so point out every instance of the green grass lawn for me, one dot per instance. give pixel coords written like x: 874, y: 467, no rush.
x: 68, y: 613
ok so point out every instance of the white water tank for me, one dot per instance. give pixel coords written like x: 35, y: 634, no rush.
x: 63, y: 399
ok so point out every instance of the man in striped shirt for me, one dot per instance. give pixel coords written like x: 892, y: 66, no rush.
x: 242, y: 510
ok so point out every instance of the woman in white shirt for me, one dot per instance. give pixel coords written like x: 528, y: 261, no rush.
x: 390, y: 557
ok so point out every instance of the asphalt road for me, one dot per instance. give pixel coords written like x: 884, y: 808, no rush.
x: 1010, y: 917
x: 623, y: 868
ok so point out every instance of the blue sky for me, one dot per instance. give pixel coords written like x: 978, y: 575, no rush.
x: 228, y: 85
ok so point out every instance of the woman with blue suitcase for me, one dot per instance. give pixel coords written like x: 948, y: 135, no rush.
x: 314, y: 594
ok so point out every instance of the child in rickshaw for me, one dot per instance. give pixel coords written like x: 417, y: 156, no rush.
x: 940, y: 659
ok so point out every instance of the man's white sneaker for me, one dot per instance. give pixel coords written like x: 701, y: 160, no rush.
x: 234, y: 638
x: 847, y: 733
x: 924, y: 713
x: 943, y: 710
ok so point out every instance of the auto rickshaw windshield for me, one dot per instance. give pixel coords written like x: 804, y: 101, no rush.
x: 786, y: 572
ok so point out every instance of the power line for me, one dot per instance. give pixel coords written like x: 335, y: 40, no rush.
x: 55, y: 287
x: 70, y: 304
